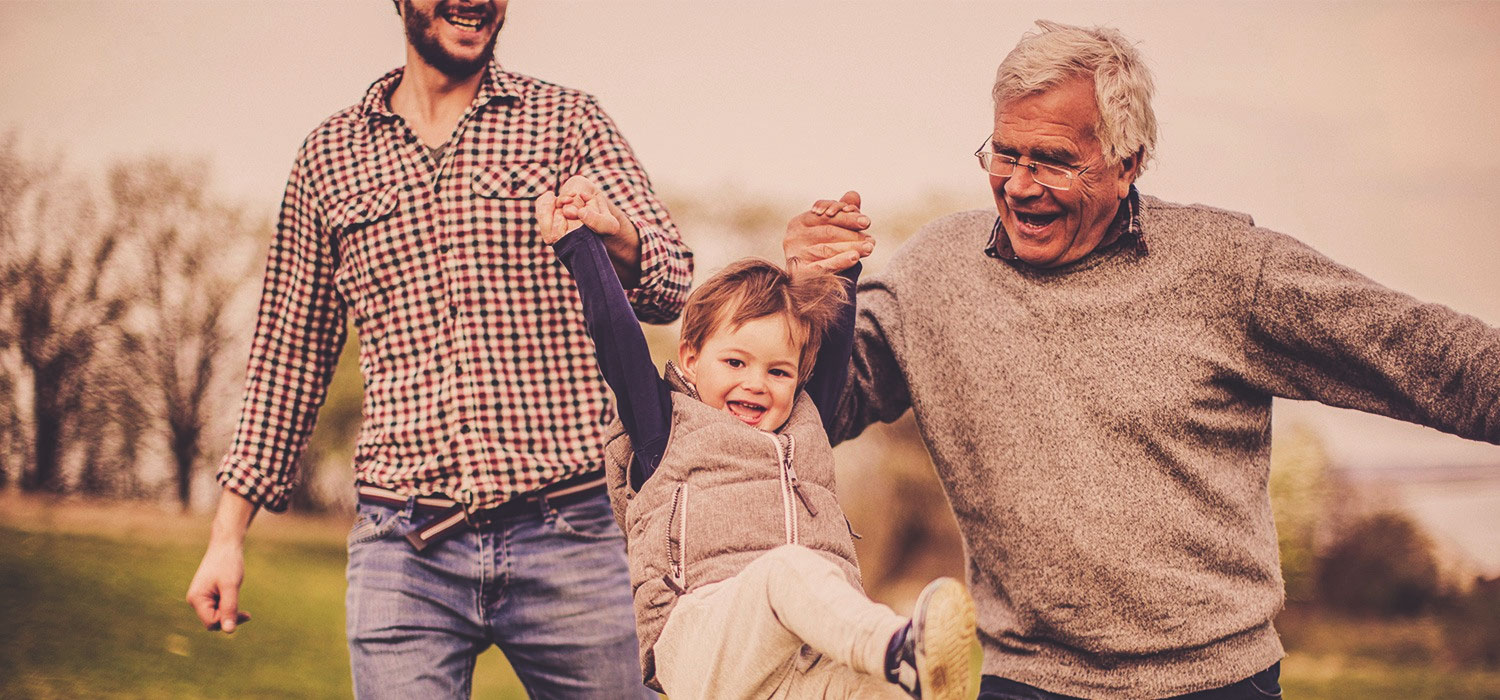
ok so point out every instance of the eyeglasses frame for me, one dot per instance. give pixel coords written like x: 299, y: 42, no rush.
x: 1072, y: 174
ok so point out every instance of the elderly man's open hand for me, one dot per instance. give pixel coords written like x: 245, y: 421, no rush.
x: 829, y: 237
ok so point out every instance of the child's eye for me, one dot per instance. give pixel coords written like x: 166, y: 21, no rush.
x: 734, y: 363
x: 781, y: 373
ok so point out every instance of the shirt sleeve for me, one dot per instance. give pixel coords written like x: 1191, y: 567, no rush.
x: 666, y: 262
x: 299, y: 332
x: 876, y: 388
x: 1324, y: 332
x: 642, y: 399
x: 831, y: 369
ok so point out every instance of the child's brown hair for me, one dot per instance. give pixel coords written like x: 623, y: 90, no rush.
x: 754, y: 288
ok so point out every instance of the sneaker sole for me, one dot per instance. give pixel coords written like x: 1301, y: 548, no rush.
x: 945, y: 639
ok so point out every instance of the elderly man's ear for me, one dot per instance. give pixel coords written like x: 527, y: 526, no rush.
x: 1130, y: 169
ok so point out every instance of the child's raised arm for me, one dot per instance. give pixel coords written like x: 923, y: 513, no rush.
x: 642, y: 399
x: 831, y: 369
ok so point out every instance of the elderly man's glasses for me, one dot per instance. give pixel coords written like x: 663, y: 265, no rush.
x: 1051, y: 176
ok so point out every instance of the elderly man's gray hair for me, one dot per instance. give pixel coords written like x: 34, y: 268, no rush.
x: 1122, y: 83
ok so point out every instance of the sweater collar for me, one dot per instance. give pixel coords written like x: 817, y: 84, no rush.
x: 1126, y: 226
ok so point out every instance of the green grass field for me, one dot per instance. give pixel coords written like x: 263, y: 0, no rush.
x: 93, y: 610
x: 89, y: 616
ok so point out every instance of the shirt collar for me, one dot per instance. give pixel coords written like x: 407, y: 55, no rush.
x: 1126, y: 226
x: 496, y: 84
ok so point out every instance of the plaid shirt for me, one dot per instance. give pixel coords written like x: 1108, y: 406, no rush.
x: 479, y: 377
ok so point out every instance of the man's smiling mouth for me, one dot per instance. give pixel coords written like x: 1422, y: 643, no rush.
x: 467, y: 19
x: 1033, y: 225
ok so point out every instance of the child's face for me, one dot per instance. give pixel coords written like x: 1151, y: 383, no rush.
x: 749, y: 371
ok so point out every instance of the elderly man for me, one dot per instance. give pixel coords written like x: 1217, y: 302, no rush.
x: 1092, y: 371
x: 483, y: 517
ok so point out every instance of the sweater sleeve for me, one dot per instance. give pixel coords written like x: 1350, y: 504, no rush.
x: 642, y: 399
x: 831, y: 369
x: 876, y: 388
x: 1323, y: 332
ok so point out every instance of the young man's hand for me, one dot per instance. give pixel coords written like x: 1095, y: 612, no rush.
x: 829, y: 237
x: 582, y: 202
x: 214, y: 593
x: 550, y: 221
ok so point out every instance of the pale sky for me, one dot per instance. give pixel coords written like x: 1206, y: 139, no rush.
x: 1365, y: 129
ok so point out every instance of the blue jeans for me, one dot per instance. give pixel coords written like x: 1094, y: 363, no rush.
x: 1266, y: 684
x: 548, y: 586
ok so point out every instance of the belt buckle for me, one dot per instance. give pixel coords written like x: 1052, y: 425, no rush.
x: 439, y: 527
x: 477, y: 518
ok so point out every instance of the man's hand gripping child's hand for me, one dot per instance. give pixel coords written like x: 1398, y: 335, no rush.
x: 580, y: 202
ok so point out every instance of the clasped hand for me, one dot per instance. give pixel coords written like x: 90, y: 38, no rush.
x: 579, y: 202
x: 828, y: 237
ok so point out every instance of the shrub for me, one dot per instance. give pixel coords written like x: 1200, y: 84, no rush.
x: 1383, y: 565
x: 1472, y: 626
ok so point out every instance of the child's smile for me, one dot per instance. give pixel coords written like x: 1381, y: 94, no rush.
x: 749, y: 371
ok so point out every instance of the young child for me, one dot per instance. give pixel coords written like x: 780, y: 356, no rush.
x: 741, y: 560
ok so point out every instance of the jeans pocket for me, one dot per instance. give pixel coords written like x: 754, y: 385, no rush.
x: 373, y: 523
x: 592, y: 519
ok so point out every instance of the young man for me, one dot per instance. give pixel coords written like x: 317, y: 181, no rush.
x: 483, y: 517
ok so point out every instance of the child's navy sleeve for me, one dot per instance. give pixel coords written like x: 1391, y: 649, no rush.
x: 643, y: 400
x: 831, y: 369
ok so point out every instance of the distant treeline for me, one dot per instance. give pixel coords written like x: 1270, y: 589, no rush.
x: 116, y: 291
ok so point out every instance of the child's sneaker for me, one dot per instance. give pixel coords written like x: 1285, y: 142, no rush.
x: 930, y: 657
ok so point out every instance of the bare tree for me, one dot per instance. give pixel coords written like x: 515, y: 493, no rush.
x: 11, y: 433
x: 62, y: 303
x: 195, y: 262
x: 13, y: 440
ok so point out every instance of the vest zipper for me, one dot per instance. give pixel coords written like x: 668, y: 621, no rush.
x: 676, y: 577
x: 791, y: 471
x: 788, y: 509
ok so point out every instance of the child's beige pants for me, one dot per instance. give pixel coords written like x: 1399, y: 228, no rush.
x: 788, y: 626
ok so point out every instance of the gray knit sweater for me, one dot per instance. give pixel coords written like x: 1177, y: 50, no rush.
x: 1103, y: 429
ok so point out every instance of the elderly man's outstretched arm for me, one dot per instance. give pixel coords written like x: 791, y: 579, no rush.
x: 1324, y: 332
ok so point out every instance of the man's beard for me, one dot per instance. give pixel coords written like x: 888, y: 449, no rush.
x: 423, y: 37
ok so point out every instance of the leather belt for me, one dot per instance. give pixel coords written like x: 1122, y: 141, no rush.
x: 447, y: 517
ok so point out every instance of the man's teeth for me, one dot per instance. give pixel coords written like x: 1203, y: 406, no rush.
x: 1036, y: 220
x: 470, y: 23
